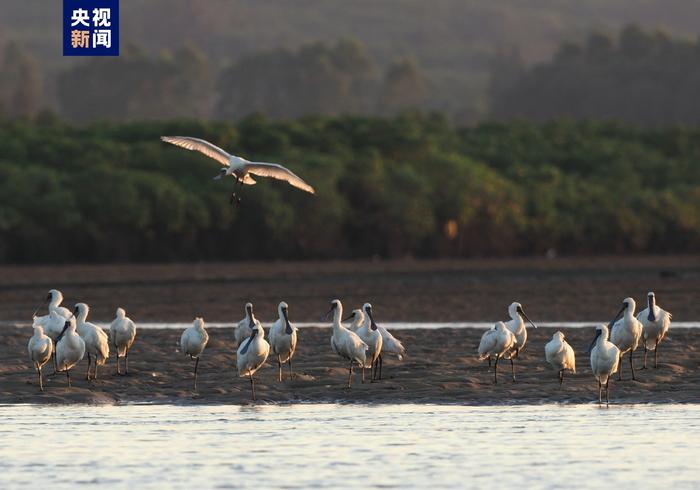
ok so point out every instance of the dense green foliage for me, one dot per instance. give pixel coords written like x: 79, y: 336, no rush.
x: 643, y: 77
x: 413, y: 185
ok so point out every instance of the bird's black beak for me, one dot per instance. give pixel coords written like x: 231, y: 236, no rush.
x: 373, y: 325
x: 619, y: 314
x: 48, y: 298
x: 590, y: 347
x: 351, y: 315
x: 288, y: 329
x: 328, y: 313
x: 65, y: 327
x: 249, y: 341
x: 520, y: 310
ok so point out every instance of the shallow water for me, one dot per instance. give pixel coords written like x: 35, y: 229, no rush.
x: 301, y: 446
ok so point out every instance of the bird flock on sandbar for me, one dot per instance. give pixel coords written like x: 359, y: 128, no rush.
x: 67, y: 337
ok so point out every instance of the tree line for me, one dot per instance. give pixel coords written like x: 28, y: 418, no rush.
x: 411, y: 185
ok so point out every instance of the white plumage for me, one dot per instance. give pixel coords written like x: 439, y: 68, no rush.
x: 370, y: 335
x: 605, y: 360
x: 252, y: 354
x: 283, y: 339
x: 238, y: 167
x: 192, y: 343
x: 626, y: 332
x: 516, y: 325
x: 70, y: 348
x: 122, y: 332
x: 96, y: 340
x: 655, y: 324
x: 245, y: 326
x: 358, y: 319
x: 560, y: 355
x: 40, y: 348
x: 496, y: 343
x: 344, y: 342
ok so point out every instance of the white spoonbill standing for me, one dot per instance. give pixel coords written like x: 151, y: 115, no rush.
x: 54, y: 300
x: 605, y: 360
x: 517, y: 326
x: 252, y: 354
x: 560, y: 355
x: 53, y: 322
x: 70, y: 348
x: 370, y: 335
x: 96, y: 340
x: 358, y: 319
x: 496, y: 342
x: 626, y: 332
x: 40, y: 348
x: 238, y: 167
x: 192, y: 343
x: 344, y: 342
x: 122, y: 332
x: 655, y: 323
x: 245, y: 326
x: 283, y: 340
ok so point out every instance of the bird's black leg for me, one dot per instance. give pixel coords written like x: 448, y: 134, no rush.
x: 512, y: 369
x: 196, y: 364
x: 350, y: 374
x: 381, y: 363
x: 495, y: 370
x: 87, y: 374
x: 561, y: 377
x: 279, y: 368
x: 291, y: 371
x: 619, y: 369
x: 252, y: 385
x: 600, y: 395
x: 126, y: 363
x: 656, y: 354
x: 41, y: 381
x: 632, y: 365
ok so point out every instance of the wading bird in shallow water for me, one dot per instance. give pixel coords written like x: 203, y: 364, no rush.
x: 626, y: 332
x: 40, y: 349
x: 560, y: 355
x: 370, y: 335
x: 283, y: 340
x: 252, y: 354
x: 122, y: 332
x: 192, y: 343
x: 655, y: 323
x: 70, y: 348
x: 238, y: 167
x: 96, y: 340
x: 245, y: 326
x: 496, y: 342
x: 517, y: 326
x: 344, y: 342
x: 605, y: 360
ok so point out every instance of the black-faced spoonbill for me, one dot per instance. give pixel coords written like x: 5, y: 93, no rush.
x: 245, y: 326
x: 370, y: 335
x: 496, y: 342
x: 192, y: 343
x: 122, y: 332
x: 283, y: 340
x: 517, y: 326
x: 358, y: 319
x: 252, y: 354
x: 238, y: 167
x: 96, y: 340
x: 40, y: 348
x: 344, y: 342
x: 605, y: 360
x: 626, y: 332
x: 70, y: 348
x: 53, y: 322
x: 655, y: 323
x: 560, y: 355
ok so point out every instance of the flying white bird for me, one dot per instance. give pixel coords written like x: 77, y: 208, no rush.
x: 605, y: 360
x: 252, y: 354
x: 370, y: 335
x: 283, y: 340
x: 655, y: 323
x: 344, y: 342
x: 96, y: 340
x: 238, y: 167
x: 245, y: 326
x: 496, y: 342
x: 70, y: 348
x: 358, y: 319
x: 122, y: 332
x: 560, y: 355
x: 517, y: 326
x: 40, y: 348
x: 192, y: 343
x: 626, y: 332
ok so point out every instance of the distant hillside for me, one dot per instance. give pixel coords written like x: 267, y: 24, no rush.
x: 452, y: 41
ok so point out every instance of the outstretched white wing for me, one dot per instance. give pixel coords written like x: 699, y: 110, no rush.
x: 202, y: 146
x: 277, y: 171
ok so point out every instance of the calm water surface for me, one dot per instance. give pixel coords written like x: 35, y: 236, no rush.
x: 393, y: 446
